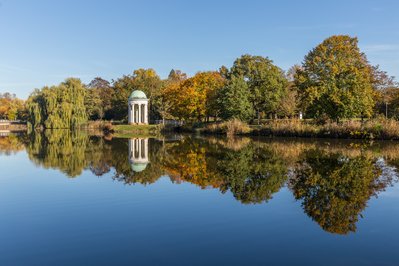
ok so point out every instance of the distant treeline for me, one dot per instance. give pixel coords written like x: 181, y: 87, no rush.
x: 335, y: 81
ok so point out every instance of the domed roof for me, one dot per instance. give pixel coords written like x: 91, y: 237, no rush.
x: 137, y: 94
x: 138, y: 167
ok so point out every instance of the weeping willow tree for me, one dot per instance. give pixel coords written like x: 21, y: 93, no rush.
x: 59, y: 106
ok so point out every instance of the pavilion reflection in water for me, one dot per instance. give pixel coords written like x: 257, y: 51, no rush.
x: 138, y: 154
x: 5, y: 133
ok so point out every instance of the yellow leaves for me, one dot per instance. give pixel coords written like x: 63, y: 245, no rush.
x: 9, y: 108
x: 192, y: 98
x: 149, y: 73
x: 336, y: 80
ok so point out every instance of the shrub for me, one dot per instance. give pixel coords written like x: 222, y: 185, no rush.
x: 288, y: 128
x: 99, y: 125
x: 230, y: 128
x: 236, y: 127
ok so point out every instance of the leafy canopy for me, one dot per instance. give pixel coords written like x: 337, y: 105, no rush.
x: 336, y: 80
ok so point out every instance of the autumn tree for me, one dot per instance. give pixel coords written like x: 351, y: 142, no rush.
x: 210, y: 84
x: 176, y: 75
x: 11, y: 107
x: 387, y: 102
x: 266, y: 82
x: 336, y: 80
x: 386, y: 92
x: 289, y: 103
x: 163, y: 98
x: 195, y: 98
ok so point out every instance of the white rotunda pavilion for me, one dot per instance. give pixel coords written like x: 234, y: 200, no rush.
x: 138, y: 108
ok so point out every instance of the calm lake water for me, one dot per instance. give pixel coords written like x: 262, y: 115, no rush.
x: 67, y: 198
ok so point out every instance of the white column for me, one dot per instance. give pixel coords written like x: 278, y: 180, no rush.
x: 146, y: 113
x: 132, y: 110
x: 140, y: 114
x: 136, y: 109
x: 133, y: 114
x: 130, y: 114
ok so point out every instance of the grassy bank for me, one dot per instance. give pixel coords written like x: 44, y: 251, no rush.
x: 123, y: 130
x: 135, y: 130
x: 372, y: 129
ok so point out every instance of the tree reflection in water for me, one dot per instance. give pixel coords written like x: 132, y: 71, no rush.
x: 334, y: 189
x: 333, y: 181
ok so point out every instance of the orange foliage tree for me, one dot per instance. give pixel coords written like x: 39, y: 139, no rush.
x: 11, y: 108
x: 194, y: 99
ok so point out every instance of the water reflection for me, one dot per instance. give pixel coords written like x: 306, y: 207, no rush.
x: 10, y: 144
x: 138, y: 154
x: 63, y: 150
x: 334, y: 189
x: 332, y: 180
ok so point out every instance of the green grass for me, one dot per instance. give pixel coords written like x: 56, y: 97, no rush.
x: 136, y: 130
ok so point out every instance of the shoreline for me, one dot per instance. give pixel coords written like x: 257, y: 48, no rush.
x: 375, y: 129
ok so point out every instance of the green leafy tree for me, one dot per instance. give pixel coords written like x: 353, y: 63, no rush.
x: 234, y: 100
x: 266, y: 82
x: 61, y: 106
x: 94, y: 104
x: 336, y: 80
x: 101, y: 94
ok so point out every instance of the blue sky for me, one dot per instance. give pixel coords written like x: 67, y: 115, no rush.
x: 43, y: 42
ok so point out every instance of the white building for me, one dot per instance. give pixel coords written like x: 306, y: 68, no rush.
x: 138, y: 108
